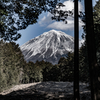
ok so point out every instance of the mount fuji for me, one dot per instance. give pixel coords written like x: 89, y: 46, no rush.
x: 50, y: 47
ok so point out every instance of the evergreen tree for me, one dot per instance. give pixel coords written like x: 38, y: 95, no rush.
x: 96, y: 17
x: 46, y: 71
x: 83, y: 64
x: 93, y: 46
x: 66, y: 67
x: 11, y: 64
x: 32, y: 73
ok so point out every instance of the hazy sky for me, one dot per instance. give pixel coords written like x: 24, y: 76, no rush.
x: 46, y: 24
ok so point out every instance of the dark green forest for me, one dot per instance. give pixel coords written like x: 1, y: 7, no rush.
x: 15, y: 70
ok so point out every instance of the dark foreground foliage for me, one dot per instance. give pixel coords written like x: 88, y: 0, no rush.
x: 15, y: 70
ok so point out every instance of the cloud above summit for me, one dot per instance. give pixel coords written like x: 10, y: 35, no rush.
x: 49, y: 23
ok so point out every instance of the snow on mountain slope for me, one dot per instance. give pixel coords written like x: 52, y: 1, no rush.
x: 50, y: 46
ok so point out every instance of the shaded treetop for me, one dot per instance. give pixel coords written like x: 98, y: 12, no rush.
x: 16, y: 15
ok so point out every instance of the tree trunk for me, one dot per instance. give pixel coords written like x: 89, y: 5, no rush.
x: 90, y: 39
x: 76, y: 52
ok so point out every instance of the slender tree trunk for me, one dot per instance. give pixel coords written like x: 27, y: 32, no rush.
x: 90, y: 39
x: 76, y: 52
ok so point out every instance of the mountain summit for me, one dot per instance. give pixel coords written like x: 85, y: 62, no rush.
x: 50, y: 47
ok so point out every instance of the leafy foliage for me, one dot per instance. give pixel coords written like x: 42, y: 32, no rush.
x: 11, y: 62
x: 62, y: 15
x: 16, y: 15
x: 15, y: 70
x: 96, y: 16
x: 32, y: 73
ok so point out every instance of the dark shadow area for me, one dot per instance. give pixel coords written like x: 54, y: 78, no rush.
x: 34, y: 96
x: 41, y: 92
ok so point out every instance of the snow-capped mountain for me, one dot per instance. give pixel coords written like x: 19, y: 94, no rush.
x: 50, y: 46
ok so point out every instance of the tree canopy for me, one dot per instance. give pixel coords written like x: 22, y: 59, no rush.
x: 16, y: 15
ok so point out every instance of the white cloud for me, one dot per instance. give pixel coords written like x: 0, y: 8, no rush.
x: 49, y: 23
x: 46, y: 20
x: 69, y: 5
x: 61, y: 25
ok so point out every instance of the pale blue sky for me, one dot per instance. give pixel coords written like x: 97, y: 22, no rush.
x: 46, y: 24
